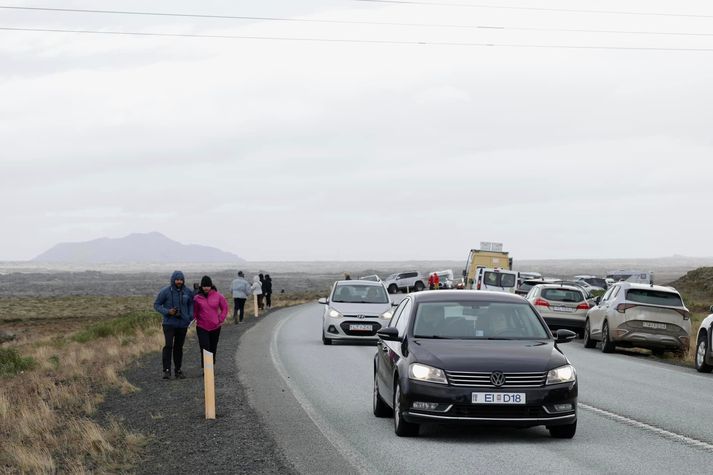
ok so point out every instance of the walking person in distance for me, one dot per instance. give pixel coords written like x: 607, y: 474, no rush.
x: 241, y: 289
x: 210, y: 309
x: 257, y: 290
x: 175, y: 303
x: 267, y: 290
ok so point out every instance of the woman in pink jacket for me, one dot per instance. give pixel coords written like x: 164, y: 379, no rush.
x: 209, y: 310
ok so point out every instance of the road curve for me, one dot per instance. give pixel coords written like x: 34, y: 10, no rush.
x: 636, y: 415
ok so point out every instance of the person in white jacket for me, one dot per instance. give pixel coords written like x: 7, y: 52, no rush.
x: 257, y: 290
x: 241, y: 289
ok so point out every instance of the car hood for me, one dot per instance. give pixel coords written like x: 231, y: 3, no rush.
x: 360, y: 308
x: 488, y: 355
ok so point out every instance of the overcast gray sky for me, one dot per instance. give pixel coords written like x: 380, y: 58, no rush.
x: 295, y: 150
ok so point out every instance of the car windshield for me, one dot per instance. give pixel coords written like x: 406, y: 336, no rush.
x: 655, y: 297
x: 477, y: 321
x: 562, y: 295
x: 355, y: 293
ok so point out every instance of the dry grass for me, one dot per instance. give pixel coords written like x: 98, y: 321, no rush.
x: 46, y: 410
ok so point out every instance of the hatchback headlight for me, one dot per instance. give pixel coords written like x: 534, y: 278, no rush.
x: 387, y: 314
x: 422, y: 372
x: 334, y: 314
x: 563, y: 374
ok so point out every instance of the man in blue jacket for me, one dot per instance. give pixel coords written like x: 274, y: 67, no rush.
x: 175, y: 303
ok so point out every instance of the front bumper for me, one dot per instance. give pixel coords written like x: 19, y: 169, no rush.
x: 340, y: 328
x: 456, y: 406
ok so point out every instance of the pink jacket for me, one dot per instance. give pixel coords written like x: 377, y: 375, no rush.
x: 210, y: 311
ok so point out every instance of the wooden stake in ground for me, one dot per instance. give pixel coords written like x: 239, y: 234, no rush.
x: 209, y: 384
x: 255, y: 302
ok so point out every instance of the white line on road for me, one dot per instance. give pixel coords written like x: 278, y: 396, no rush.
x: 689, y: 441
x: 342, y: 445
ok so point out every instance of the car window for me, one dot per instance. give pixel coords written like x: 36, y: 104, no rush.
x: 606, y: 295
x: 507, y: 280
x: 490, y: 278
x: 614, y: 293
x: 654, y: 297
x: 359, y: 293
x: 397, y: 313
x: 403, y: 318
x: 477, y: 320
x: 562, y: 295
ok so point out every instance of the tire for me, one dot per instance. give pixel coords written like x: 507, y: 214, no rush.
x: 563, y: 432
x: 381, y: 409
x: 608, y: 346
x: 587, y: 336
x: 401, y: 427
x: 393, y: 289
x: 418, y: 286
x: 325, y: 340
x: 701, y: 350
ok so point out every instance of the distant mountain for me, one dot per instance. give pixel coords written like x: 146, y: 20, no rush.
x: 135, y: 248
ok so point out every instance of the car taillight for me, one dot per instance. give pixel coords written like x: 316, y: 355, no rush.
x: 583, y: 306
x: 623, y: 307
x: 541, y: 303
x: 684, y: 313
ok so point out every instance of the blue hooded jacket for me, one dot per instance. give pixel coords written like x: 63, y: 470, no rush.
x: 172, y: 297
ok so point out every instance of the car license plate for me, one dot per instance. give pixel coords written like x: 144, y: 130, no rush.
x: 658, y: 326
x: 499, y: 398
x: 356, y: 327
x: 563, y: 309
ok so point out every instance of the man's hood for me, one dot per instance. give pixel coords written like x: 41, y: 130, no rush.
x: 177, y: 274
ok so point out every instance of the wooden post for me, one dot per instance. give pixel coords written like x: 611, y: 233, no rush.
x: 209, y: 384
x: 255, y: 303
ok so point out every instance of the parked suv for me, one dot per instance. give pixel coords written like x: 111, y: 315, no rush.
x: 405, y: 281
x: 562, y: 306
x: 646, y: 316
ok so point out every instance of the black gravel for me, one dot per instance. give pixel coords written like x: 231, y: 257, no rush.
x: 171, y: 413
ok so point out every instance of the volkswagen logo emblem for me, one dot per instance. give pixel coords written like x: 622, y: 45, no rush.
x: 361, y: 317
x: 497, y: 378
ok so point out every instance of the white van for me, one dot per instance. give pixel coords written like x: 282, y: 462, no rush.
x: 633, y: 276
x: 498, y: 280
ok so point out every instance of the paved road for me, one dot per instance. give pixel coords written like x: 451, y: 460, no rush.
x: 636, y: 415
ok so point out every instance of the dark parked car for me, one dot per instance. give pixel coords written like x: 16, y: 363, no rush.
x: 527, y: 285
x: 473, y: 357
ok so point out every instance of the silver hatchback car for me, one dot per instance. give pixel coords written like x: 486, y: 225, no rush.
x: 562, y: 306
x: 355, y: 310
x: 646, y: 316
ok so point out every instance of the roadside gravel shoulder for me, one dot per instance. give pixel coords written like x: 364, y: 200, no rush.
x: 171, y: 414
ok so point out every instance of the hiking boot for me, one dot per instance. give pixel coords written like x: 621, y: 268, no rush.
x: 179, y: 374
x: 166, y: 374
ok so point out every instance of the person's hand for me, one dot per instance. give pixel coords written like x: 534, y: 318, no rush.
x: 172, y: 312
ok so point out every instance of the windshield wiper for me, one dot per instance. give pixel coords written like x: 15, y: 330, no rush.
x: 498, y: 338
x: 435, y: 337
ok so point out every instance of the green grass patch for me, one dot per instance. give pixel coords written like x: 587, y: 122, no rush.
x: 11, y: 362
x: 122, y: 326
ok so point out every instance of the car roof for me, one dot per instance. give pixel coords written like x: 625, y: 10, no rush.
x: 563, y: 286
x: 360, y: 282
x: 469, y: 295
x: 634, y: 285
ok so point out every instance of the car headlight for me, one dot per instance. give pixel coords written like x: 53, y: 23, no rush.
x: 563, y: 374
x: 422, y: 372
x: 387, y: 314
x: 333, y: 313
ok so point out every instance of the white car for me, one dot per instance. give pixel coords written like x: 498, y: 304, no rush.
x: 496, y: 280
x: 704, y: 355
x: 406, y: 282
x: 646, y: 316
x: 355, y: 310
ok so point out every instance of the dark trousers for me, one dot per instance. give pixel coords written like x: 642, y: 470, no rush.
x: 268, y: 299
x: 238, y: 308
x: 208, y: 340
x: 259, y: 302
x: 173, y: 346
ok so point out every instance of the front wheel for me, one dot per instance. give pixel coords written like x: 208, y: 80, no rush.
x: 587, y: 337
x: 607, y: 345
x: 563, y: 432
x: 401, y: 427
x: 325, y: 340
x: 381, y: 409
x: 701, y: 353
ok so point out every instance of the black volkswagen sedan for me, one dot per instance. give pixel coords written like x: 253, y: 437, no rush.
x: 473, y: 357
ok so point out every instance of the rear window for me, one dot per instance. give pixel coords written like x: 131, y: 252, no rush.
x: 497, y: 279
x: 655, y: 297
x: 562, y: 295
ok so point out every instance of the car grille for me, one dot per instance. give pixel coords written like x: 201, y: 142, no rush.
x: 364, y: 316
x: 497, y: 412
x: 482, y: 380
x: 375, y: 327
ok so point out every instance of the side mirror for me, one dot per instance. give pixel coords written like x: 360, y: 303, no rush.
x: 323, y: 301
x: 389, y: 334
x: 396, y: 304
x: 711, y: 309
x: 565, y: 336
x: 597, y: 300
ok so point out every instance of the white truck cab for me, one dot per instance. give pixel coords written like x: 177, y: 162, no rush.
x: 497, y: 280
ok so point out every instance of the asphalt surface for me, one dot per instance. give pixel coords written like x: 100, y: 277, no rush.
x: 635, y: 416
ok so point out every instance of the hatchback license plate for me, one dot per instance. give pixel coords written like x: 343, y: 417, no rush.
x: 360, y: 328
x: 499, y: 398
x: 563, y: 309
x: 658, y: 326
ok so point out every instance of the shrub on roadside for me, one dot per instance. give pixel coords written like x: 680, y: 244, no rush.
x: 11, y: 362
x: 122, y: 326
